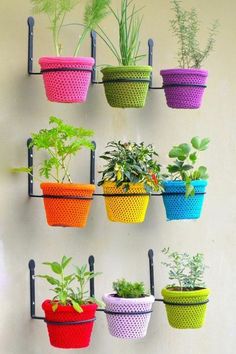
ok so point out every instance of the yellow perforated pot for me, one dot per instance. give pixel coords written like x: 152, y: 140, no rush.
x: 128, y: 208
x: 186, y: 316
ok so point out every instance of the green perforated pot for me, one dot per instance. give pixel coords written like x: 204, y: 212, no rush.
x: 126, y: 86
x: 186, y: 316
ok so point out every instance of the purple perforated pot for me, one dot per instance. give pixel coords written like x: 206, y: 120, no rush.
x: 184, y: 88
x: 128, y: 318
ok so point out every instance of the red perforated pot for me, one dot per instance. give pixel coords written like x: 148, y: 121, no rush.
x: 67, y: 328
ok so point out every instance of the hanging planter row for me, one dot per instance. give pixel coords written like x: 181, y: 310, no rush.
x: 67, y: 79
x: 70, y: 318
x: 130, y: 177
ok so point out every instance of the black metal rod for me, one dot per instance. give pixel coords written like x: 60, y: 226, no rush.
x: 32, y: 288
x: 151, y: 272
x: 30, y: 165
x: 127, y: 313
x: 150, y: 57
x: 91, y: 262
x: 30, y: 23
x: 92, y: 164
x: 93, y: 54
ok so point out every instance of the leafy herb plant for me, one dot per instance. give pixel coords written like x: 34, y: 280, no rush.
x: 185, y: 27
x: 61, y: 142
x: 65, y: 294
x: 187, y: 271
x: 126, y: 289
x: 56, y: 11
x: 129, y: 28
x: 131, y: 163
x: 186, y: 156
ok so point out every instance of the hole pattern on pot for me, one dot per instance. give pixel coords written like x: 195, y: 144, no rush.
x: 66, y: 212
x: 126, y: 94
x: 184, y: 97
x: 126, y: 209
x: 186, y: 317
x: 179, y: 207
x: 66, y: 86
x: 128, y: 326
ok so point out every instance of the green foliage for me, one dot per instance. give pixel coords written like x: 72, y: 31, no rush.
x: 187, y: 270
x: 56, y: 11
x: 61, y: 142
x: 131, y: 162
x: 95, y: 12
x: 186, y: 156
x: 129, y: 28
x: 65, y: 294
x: 185, y: 27
x: 127, y: 289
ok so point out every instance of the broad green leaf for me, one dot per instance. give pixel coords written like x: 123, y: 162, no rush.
x: 56, y: 268
x: 196, y: 141
x: 204, y: 144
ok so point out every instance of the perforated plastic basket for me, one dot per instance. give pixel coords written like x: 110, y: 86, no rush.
x: 67, y: 212
x: 183, y: 317
x: 72, y: 335
x: 177, y: 205
x: 189, y: 95
x: 126, y: 94
x: 67, y: 86
x: 127, y: 209
x: 128, y: 326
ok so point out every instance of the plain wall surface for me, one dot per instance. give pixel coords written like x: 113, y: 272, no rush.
x: 120, y: 250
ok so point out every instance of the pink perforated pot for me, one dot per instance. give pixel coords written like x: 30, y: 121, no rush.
x: 128, y: 318
x: 184, y: 88
x: 66, y: 79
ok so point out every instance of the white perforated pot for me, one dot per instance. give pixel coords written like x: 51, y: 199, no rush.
x: 128, y: 318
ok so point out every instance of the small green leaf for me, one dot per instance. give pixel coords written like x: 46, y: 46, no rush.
x: 56, y: 268
x: 196, y: 141
x: 76, y: 306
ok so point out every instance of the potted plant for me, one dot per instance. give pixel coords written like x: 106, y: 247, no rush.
x: 184, y: 87
x: 186, y: 299
x: 66, y: 203
x: 130, y: 175
x: 128, y: 309
x: 67, y: 79
x: 126, y: 85
x: 184, y: 184
x: 70, y: 315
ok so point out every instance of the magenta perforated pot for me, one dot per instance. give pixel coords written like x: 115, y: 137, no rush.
x: 128, y: 318
x: 184, y: 88
x: 66, y: 79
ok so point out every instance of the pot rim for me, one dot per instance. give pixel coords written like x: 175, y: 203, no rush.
x: 111, y: 69
x: 66, y: 60
x: 166, y: 292
x: 46, y: 306
x: 109, y: 298
x: 181, y: 71
x: 68, y: 186
x: 180, y: 183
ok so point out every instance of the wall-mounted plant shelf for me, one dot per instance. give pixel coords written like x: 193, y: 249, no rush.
x: 118, y: 208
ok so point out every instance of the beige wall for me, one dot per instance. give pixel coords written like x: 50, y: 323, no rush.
x: 120, y: 250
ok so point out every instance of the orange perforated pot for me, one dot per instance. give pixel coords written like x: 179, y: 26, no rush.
x: 65, y: 211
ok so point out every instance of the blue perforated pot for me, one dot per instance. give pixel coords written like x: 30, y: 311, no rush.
x: 177, y: 206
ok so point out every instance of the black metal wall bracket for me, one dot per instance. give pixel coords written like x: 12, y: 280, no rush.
x: 91, y: 261
x: 92, y: 181
x: 31, y: 175
x: 93, y: 35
